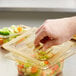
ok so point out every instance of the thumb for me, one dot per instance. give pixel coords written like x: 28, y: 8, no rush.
x: 48, y: 45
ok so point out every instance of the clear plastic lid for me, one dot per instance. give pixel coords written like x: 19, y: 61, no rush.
x: 23, y: 50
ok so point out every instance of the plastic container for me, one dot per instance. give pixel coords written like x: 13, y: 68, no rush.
x: 33, y: 62
x: 46, y: 68
x: 26, y: 69
x: 9, y: 33
x: 42, y: 55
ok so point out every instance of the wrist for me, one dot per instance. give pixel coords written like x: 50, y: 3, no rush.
x: 72, y: 25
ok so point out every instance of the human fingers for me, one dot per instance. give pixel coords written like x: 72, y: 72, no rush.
x: 39, y: 36
x: 48, y: 44
x: 39, y: 29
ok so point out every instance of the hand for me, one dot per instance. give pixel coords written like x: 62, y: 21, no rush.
x: 54, y: 32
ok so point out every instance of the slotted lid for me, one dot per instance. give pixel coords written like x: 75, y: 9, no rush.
x: 22, y: 48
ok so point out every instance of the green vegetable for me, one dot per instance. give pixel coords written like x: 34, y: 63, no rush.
x: 42, y: 57
x: 42, y: 52
x: 14, y: 28
x: 23, y: 70
x: 35, y: 74
x: 27, y: 65
x: 42, y: 64
x: 11, y: 31
x: 59, y: 64
x: 6, y: 40
x: 2, y: 32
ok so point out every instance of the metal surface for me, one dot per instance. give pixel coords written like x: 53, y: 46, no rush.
x: 38, y: 5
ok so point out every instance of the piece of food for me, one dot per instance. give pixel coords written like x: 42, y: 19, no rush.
x: 4, y: 31
x: 46, y: 62
x: 34, y: 69
x: 74, y: 37
x: 20, y: 41
x: 12, y: 30
x: 19, y: 29
x: 20, y: 66
x: 1, y: 41
x: 9, y: 33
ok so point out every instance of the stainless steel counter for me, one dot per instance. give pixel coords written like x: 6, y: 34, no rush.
x: 29, y: 18
x: 38, y: 5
